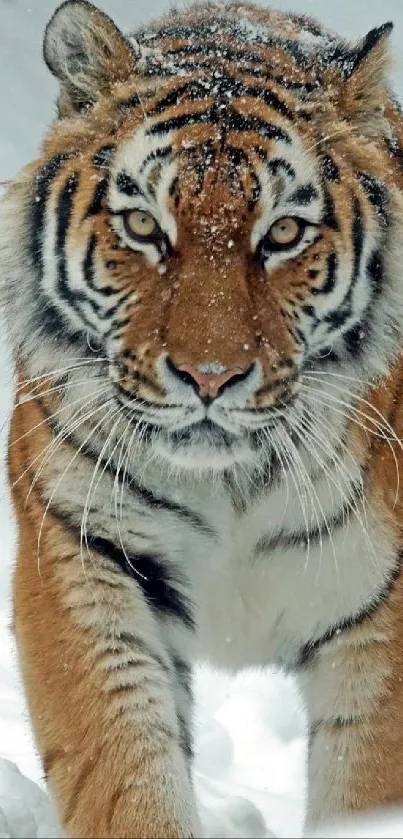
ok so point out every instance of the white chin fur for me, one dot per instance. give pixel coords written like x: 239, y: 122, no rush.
x: 205, y: 456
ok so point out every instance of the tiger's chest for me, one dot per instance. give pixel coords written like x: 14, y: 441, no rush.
x: 270, y: 577
x: 281, y: 577
x: 265, y: 578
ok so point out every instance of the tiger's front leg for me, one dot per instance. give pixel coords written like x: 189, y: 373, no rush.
x: 107, y: 697
x: 353, y: 686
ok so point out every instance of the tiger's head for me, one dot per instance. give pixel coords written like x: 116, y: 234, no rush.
x: 214, y: 215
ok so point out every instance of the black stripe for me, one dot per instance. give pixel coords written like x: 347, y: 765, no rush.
x: 263, y: 94
x: 106, y: 291
x: 215, y: 49
x: 185, y: 738
x: 158, y: 154
x: 375, y: 271
x: 64, y: 212
x: 308, y: 24
x: 128, y: 185
x: 181, y: 121
x: 240, y: 122
x: 194, y: 90
x: 43, y: 183
x: 133, y: 101
x: 307, y: 653
x: 46, y: 317
x: 338, y: 318
x: 329, y: 211
x: 329, y: 170
x: 140, y: 493
x: 237, y: 157
x: 102, y: 156
x: 49, y: 759
x: 358, y: 238
x: 155, y: 577
x: 226, y: 87
x: 260, y: 72
x: 75, y: 299
x: 337, y: 723
x: 330, y: 281
x: 300, y: 538
x: 303, y: 195
x: 278, y: 165
x: 136, y: 376
x: 96, y: 204
x: 115, y: 642
x: 183, y: 674
x: 377, y: 194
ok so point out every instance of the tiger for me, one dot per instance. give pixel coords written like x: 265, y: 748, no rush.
x: 201, y: 280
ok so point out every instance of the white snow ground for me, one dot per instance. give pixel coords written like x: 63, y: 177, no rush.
x: 250, y: 770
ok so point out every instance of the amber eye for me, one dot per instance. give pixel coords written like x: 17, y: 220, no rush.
x: 285, y: 232
x: 140, y: 225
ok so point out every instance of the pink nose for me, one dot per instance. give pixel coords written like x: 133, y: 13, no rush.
x: 209, y: 384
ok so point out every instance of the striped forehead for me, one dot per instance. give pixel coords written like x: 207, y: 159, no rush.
x: 141, y: 176
x: 148, y: 163
x: 290, y: 182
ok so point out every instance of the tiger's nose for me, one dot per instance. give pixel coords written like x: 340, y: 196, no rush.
x: 207, y: 385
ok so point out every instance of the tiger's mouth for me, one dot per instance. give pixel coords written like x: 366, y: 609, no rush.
x: 203, y: 445
x: 204, y: 432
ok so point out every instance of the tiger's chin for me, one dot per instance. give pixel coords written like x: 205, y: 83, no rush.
x: 204, y: 447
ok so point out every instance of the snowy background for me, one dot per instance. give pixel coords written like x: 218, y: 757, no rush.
x: 250, y: 769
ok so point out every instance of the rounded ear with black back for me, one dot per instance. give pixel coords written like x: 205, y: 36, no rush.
x: 87, y: 53
x: 362, y: 90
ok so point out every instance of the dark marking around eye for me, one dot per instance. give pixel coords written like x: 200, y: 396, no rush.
x: 303, y: 195
x: 128, y: 185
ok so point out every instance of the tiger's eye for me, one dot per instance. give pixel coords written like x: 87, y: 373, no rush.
x: 140, y: 224
x: 285, y: 232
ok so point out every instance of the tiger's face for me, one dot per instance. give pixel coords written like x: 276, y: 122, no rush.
x: 210, y: 239
x: 228, y: 253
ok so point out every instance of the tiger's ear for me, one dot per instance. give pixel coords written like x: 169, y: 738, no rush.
x: 363, y: 91
x: 87, y: 53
